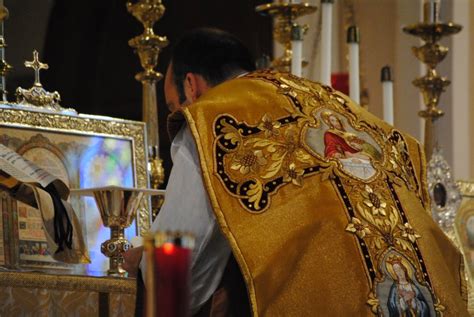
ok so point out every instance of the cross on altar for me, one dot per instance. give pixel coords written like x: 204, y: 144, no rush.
x: 37, y: 66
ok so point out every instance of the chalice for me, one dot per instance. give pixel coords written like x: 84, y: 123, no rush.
x: 118, y: 208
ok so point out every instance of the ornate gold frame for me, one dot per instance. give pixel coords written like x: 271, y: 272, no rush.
x: 65, y: 122
x: 466, y: 211
x: 15, y: 116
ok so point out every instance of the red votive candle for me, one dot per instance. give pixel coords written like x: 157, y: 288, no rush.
x: 172, y: 261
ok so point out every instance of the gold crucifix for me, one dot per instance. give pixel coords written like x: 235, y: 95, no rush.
x: 37, y: 66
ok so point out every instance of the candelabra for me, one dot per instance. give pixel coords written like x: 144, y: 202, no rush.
x: 148, y: 46
x: 444, y: 192
x: 431, y: 54
x: 285, y: 14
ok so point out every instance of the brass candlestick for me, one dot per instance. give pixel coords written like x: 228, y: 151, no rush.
x: 148, y: 46
x: 285, y: 14
x: 431, y: 54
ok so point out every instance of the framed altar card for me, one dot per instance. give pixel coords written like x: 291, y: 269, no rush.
x: 83, y: 151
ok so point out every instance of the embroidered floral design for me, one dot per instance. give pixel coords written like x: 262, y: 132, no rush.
x: 264, y: 156
x: 400, y: 163
x: 248, y: 161
x: 294, y: 175
x: 374, y: 201
x: 357, y: 227
x: 409, y: 233
x: 382, y: 231
x: 255, y: 193
x: 439, y: 308
x: 374, y: 303
x: 229, y: 132
x: 270, y: 127
x: 395, y: 157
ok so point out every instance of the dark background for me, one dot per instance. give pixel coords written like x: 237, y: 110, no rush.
x: 85, y: 43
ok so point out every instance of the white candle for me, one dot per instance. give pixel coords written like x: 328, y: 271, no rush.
x: 326, y: 30
x: 297, y: 56
x: 297, y: 49
x: 387, y: 87
x: 431, y: 11
x: 353, y: 43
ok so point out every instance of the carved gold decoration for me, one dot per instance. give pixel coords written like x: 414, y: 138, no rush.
x: 148, y: 46
x: 285, y: 14
x: 37, y: 96
x: 92, y: 125
x: 157, y: 177
x: 431, y: 54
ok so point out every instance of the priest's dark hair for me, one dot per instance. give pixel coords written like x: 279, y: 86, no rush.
x: 212, y: 53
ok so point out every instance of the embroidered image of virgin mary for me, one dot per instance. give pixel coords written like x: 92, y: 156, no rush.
x: 335, y: 139
x: 405, y: 297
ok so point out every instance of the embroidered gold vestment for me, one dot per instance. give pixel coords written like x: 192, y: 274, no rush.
x: 324, y: 205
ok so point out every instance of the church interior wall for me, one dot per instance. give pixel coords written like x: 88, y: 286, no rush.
x: 462, y: 79
x: 470, y: 130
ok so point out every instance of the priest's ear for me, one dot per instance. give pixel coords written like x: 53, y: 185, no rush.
x: 191, y: 87
x: 194, y: 86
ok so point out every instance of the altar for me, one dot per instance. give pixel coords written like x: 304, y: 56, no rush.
x: 46, y: 294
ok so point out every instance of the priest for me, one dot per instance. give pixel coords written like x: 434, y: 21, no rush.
x: 281, y: 225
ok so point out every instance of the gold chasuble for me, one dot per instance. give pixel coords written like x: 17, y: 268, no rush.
x: 325, y: 206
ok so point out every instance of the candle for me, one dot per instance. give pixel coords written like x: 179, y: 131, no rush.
x: 431, y: 11
x: 353, y: 43
x: 297, y: 49
x: 172, y: 280
x: 170, y: 262
x: 387, y: 87
x: 326, y: 29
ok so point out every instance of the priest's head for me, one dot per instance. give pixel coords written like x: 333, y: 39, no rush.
x: 202, y: 59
